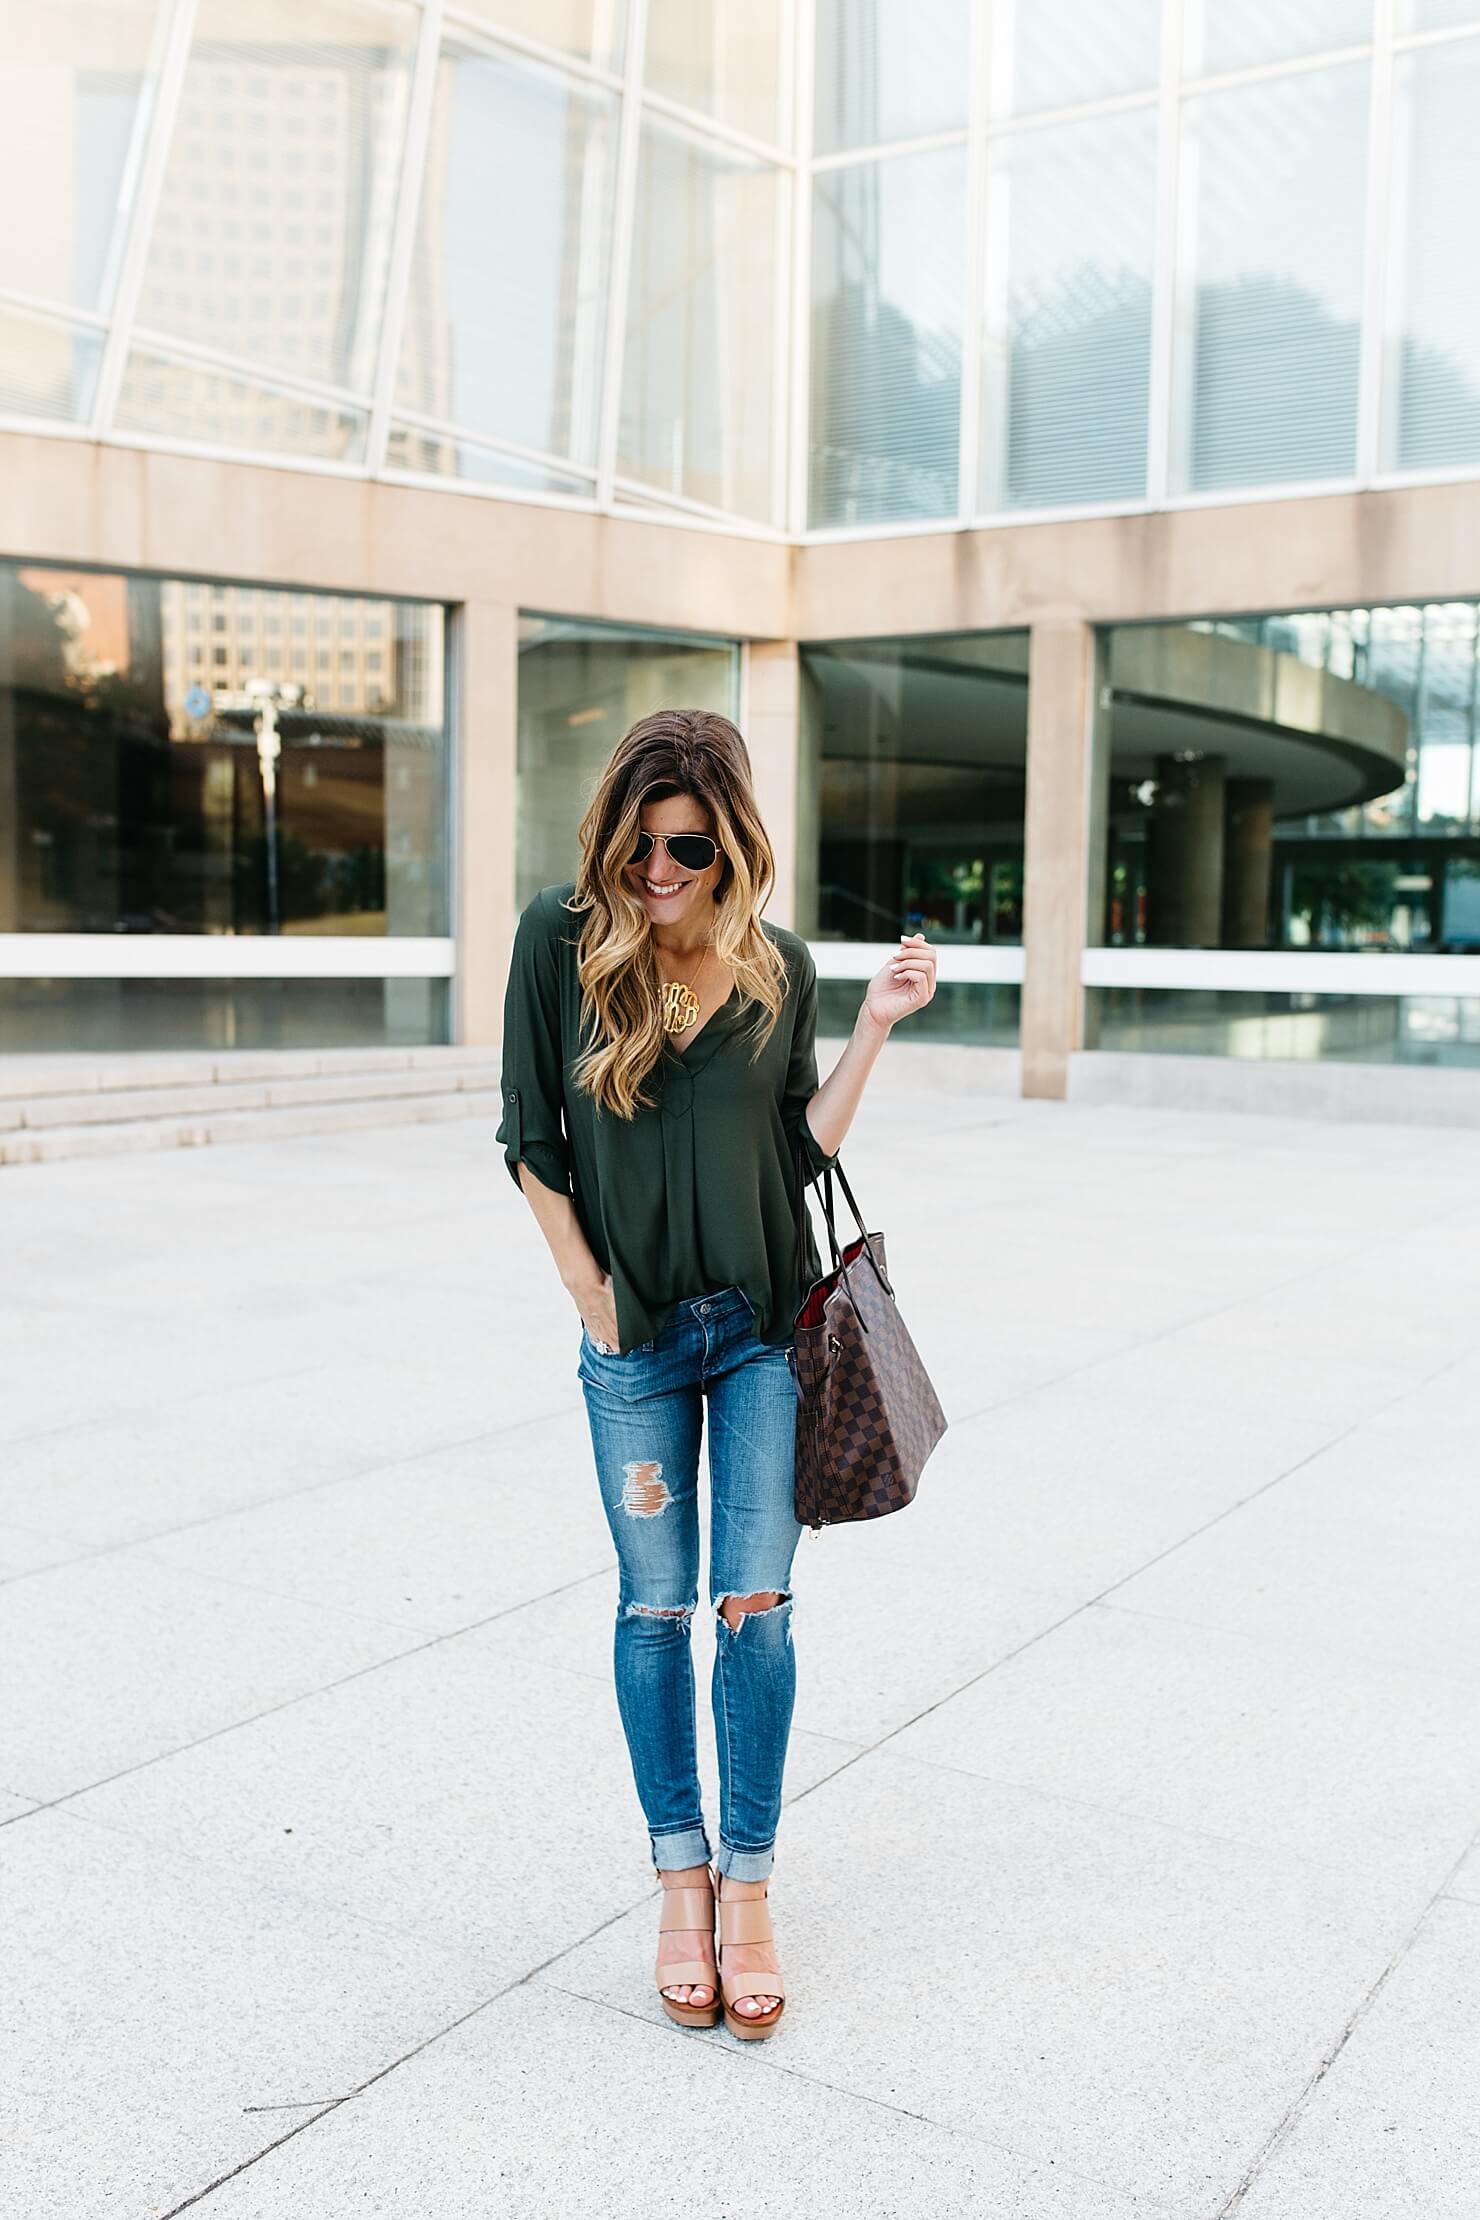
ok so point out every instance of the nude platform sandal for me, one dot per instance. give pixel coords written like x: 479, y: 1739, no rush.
x: 747, y: 1919
x: 692, y: 1908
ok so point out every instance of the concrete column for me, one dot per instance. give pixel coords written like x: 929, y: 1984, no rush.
x: 771, y: 725
x: 1064, y: 842
x: 1184, y: 896
x: 485, y: 646
x: 1248, y: 858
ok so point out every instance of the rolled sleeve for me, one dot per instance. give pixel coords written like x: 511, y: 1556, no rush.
x: 801, y: 1076
x: 532, y: 1128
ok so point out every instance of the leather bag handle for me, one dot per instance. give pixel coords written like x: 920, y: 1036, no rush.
x: 825, y: 1196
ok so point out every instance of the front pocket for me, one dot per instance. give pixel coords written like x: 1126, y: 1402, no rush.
x: 613, y: 1356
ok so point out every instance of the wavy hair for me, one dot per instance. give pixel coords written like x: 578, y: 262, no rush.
x: 698, y: 753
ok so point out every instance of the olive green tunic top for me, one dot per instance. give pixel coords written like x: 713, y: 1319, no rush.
x: 695, y: 1193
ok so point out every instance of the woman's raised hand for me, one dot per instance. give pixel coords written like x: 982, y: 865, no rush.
x: 905, y: 983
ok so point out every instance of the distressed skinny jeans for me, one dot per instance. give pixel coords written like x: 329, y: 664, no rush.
x: 646, y: 1413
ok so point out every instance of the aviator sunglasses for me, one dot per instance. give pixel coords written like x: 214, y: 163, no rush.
x: 690, y: 851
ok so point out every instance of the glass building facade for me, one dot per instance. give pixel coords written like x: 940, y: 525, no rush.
x: 777, y: 279
x: 826, y: 268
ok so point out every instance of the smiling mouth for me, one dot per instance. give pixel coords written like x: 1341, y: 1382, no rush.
x: 674, y: 886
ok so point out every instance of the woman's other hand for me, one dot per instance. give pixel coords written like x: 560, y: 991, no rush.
x: 903, y: 984
x: 596, y: 1302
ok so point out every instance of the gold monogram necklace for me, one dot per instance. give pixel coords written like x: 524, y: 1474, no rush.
x: 680, y: 1003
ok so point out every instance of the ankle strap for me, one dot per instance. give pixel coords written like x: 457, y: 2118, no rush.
x: 686, y: 1907
x: 745, y: 1919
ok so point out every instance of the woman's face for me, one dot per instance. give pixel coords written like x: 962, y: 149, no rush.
x: 668, y: 892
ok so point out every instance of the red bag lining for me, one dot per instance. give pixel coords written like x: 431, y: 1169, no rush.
x: 813, y: 1309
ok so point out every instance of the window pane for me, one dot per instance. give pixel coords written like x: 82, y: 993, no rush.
x: 444, y: 455
x: 1056, y: 53
x: 1304, y: 779
x: 105, y: 1015
x: 47, y: 370
x: 1274, y: 178
x: 699, y: 400
x: 1433, y: 15
x: 596, y: 30
x: 1344, y: 1028
x: 889, y: 69
x: 185, y: 400
x: 1239, y: 34
x: 1066, y: 367
x: 73, y: 86
x: 722, y: 57
x: 274, y: 223
x: 581, y: 686
x: 1435, y: 305
x: 138, y: 800
x: 915, y: 750
x: 506, y: 316
x: 964, y: 1011
x: 888, y: 257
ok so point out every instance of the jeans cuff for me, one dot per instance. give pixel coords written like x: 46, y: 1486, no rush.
x: 675, y: 1852
x: 746, y: 1865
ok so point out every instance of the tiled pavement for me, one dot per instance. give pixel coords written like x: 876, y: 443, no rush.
x: 1128, y: 1862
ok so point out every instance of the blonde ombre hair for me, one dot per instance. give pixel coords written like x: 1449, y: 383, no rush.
x: 698, y: 753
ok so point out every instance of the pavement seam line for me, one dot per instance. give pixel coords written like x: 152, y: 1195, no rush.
x: 1046, y: 2168
x: 1276, y: 1850
x: 1087, y: 1603
x: 307, y: 1695
x: 1199, y: 1318
x: 262, y: 1503
x: 1363, y: 1660
x: 1286, y: 2126
x: 403, y: 2058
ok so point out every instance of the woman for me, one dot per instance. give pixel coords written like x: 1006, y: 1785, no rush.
x: 659, y: 1070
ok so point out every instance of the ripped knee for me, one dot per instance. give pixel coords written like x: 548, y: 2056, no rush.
x: 659, y: 1610
x: 735, y: 1610
x: 645, y: 1493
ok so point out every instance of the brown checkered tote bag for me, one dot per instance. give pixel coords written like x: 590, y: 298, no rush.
x: 867, y: 1415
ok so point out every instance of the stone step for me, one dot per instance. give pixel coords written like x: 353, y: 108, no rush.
x: 22, y: 1077
x: 342, y: 1114
x: 125, y: 1105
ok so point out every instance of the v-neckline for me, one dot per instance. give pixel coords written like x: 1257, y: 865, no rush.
x: 682, y: 1055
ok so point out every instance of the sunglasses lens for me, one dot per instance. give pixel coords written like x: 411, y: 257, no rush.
x: 692, y: 851
x: 643, y: 848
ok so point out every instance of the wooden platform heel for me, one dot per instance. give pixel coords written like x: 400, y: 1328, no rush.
x: 747, y: 1919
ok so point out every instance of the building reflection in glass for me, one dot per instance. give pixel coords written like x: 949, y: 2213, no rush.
x: 1302, y: 780
x: 132, y: 789
x: 913, y: 755
x: 581, y: 687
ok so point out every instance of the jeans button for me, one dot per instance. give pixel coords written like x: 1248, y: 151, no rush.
x: 703, y: 1310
